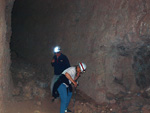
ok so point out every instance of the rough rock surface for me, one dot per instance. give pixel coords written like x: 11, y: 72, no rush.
x: 111, y: 37
x: 33, y: 96
x: 27, y: 80
x: 5, y: 33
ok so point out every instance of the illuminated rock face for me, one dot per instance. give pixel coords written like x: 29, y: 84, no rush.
x: 5, y: 33
x: 111, y: 37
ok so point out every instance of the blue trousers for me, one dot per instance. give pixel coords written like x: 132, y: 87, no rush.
x: 65, y: 97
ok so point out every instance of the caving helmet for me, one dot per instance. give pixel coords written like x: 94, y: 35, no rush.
x: 82, y: 67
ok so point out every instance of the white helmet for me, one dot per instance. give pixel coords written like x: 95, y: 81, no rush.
x: 82, y: 67
x: 56, y: 49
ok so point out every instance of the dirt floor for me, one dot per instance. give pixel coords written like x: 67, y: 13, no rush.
x: 18, y: 105
x: 38, y: 105
x: 31, y: 94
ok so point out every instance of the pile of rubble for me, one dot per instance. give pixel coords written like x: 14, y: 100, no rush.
x: 122, y: 103
x: 27, y: 83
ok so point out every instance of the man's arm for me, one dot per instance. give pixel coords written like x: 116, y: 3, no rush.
x: 69, y: 77
x: 53, y: 61
x: 78, y: 75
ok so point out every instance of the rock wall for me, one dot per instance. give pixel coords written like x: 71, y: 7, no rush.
x: 111, y: 37
x: 5, y: 79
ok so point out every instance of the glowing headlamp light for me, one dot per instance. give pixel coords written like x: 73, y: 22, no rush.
x: 56, y: 49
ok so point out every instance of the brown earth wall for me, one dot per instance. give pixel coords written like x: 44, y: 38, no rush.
x: 5, y: 32
x: 105, y: 34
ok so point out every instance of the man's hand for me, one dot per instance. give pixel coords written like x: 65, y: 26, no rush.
x: 53, y: 60
x: 75, y: 84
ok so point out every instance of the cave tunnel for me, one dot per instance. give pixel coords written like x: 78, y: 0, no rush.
x: 111, y: 37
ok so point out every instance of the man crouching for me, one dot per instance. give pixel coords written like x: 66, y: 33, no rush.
x: 63, y: 88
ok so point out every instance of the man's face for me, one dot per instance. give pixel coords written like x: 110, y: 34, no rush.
x: 78, y: 69
x: 58, y: 54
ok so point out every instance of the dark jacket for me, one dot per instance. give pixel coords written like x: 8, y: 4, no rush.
x: 61, y: 79
x: 60, y: 64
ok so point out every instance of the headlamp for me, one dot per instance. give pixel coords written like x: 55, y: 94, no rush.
x: 56, y: 49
